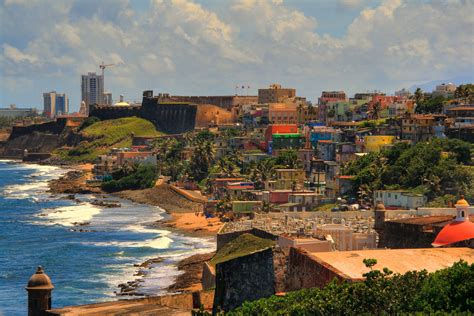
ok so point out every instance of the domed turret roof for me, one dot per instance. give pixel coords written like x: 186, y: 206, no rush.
x: 380, y: 207
x: 462, y: 202
x: 459, y: 229
x: 454, y: 232
x: 39, y: 281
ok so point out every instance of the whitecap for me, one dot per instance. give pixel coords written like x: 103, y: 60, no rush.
x: 70, y: 215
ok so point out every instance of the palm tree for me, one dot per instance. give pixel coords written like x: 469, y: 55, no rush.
x: 375, y: 111
x: 289, y: 159
x: 227, y: 167
x: 300, y: 109
x: 419, y: 98
x: 203, y: 157
x: 264, y: 171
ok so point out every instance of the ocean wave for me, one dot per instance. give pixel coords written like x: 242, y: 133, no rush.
x: 36, y: 182
x: 70, y: 215
x: 159, y: 242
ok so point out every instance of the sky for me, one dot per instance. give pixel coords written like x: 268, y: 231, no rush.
x: 208, y: 47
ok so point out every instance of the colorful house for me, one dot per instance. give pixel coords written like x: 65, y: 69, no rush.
x: 287, y: 141
x: 289, y: 179
x: 374, y: 143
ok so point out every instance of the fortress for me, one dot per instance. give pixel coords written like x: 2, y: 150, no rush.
x: 169, y: 114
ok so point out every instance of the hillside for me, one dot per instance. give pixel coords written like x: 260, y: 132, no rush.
x: 102, y: 136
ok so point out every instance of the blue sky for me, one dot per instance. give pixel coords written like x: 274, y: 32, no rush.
x: 209, y: 46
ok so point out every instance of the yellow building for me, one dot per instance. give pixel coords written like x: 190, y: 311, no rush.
x: 375, y: 143
x: 289, y: 179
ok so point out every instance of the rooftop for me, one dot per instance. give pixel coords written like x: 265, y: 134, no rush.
x: 349, y: 263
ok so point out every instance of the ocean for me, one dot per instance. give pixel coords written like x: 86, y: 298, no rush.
x: 38, y: 228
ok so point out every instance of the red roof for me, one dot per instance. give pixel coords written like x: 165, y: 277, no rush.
x: 346, y: 177
x: 239, y: 187
x: 454, y: 232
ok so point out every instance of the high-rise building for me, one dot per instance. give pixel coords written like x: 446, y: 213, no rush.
x: 108, y: 98
x: 92, y: 89
x: 49, y: 104
x: 62, y: 104
x: 55, y: 104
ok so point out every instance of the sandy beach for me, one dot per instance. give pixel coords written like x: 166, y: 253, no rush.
x: 185, y: 215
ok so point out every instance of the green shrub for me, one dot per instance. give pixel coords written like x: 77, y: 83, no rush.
x: 144, y: 177
x: 88, y: 122
x: 449, y: 290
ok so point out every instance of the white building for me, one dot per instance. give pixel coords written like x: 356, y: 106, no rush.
x: 344, y: 238
x: 401, y: 199
x: 92, y: 89
x: 445, y: 90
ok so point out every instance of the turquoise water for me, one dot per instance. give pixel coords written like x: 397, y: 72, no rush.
x: 85, y: 267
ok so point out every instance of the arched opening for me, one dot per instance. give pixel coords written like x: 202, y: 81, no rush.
x: 462, y: 214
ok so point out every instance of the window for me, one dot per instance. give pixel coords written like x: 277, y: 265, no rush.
x: 389, y: 195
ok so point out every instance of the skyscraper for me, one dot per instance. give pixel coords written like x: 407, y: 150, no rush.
x: 49, y: 104
x: 62, y: 104
x: 108, y: 98
x: 92, y: 89
x: 55, y: 104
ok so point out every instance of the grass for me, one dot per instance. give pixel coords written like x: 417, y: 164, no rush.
x: 241, y: 246
x: 105, y: 135
x: 324, y: 207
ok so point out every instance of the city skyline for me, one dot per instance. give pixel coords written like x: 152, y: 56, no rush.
x: 195, y: 47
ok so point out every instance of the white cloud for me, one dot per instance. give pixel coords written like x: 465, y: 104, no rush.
x: 350, y: 4
x: 17, y: 56
x: 183, y: 47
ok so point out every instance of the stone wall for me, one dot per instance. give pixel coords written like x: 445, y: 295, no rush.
x: 307, y: 272
x: 226, y: 102
x: 53, y: 127
x: 109, y: 112
x: 170, y: 118
x: 208, y: 279
x: 141, y: 306
x: 243, y: 279
x: 402, y: 235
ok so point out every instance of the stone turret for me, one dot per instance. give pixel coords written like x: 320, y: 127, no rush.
x: 379, y: 216
x: 39, y: 293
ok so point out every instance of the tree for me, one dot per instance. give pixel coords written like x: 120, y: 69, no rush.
x: 381, y: 293
x: 202, y: 159
x: 288, y: 159
x: 375, y: 111
x: 227, y: 167
x: 419, y: 97
x: 264, y: 172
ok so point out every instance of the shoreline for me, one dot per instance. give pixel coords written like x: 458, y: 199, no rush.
x: 182, y: 216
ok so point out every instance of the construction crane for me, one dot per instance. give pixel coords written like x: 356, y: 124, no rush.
x: 102, y: 67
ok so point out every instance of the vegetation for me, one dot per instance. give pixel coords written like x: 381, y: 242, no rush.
x: 88, y: 122
x: 430, y: 105
x: 241, y: 246
x: 433, y: 168
x: 465, y: 92
x: 101, y: 136
x: 202, y: 160
x: 449, y: 290
x: 132, y: 177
